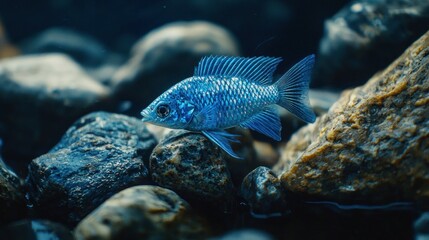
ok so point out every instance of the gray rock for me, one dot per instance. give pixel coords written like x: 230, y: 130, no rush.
x: 167, y: 55
x: 42, y: 95
x: 12, y: 200
x: 421, y: 227
x: 372, y: 146
x: 245, y: 234
x: 365, y: 37
x: 82, y: 48
x: 100, y: 155
x: 35, y: 230
x: 263, y: 191
x: 98, y: 61
x: 142, y: 212
x: 192, y: 165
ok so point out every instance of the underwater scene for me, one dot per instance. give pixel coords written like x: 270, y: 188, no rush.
x: 214, y: 119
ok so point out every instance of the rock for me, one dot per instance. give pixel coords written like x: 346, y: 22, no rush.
x: 42, y: 95
x: 36, y: 230
x: 265, y: 153
x: 6, y: 48
x: 12, y: 200
x: 421, y: 227
x: 237, y: 167
x: 158, y: 131
x: 297, y: 144
x: 98, y: 61
x: 372, y: 145
x: 248, y: 234
x: 364, y: 37
x: 82, y: 48
x: 142, y: 212
x: 100, y: 155
x: 322, y: 100
x: 167, y: 55
x: 190, y: 164
x: 263, y: 27
x: 264, y: 193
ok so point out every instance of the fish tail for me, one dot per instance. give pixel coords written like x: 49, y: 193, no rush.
x: 293, y: 89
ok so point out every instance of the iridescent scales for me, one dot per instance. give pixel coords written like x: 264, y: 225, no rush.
x: 234, y: 91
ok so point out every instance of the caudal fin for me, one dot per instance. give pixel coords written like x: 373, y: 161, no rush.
x: 293, y: 89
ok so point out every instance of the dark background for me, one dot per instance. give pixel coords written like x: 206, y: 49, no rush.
x: 290, y: 29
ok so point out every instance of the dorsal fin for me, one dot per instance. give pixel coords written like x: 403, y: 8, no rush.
x: 255, y: 69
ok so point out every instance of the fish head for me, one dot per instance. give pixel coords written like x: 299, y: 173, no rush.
x: 169, y: 110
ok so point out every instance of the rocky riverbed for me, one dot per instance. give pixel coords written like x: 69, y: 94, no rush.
x: 76, y: 162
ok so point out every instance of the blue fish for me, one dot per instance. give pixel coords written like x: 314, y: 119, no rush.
x: 234, y: 91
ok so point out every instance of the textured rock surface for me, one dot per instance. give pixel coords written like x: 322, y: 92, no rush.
x: 190, y: 164
x: 43, y: 95
x: 167, y: 55
x: 263, y: 191
x: 365, y: 36
x: 142, y: 212
x: 35, y: 230
x: 99, y: 155
x: 82, y: 48
x: 12, y: 201
x: 373, y: 144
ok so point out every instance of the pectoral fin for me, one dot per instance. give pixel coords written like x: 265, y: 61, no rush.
x: 207, y: 116
x: 222, y: 139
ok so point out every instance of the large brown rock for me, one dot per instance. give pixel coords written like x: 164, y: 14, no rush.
x: 373, y: 144
x: 193, y: 166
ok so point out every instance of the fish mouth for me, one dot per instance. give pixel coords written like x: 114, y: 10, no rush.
x: 145, y: 115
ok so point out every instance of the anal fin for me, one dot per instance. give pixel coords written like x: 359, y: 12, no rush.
x: 266, y: 122
x: 222, y: 139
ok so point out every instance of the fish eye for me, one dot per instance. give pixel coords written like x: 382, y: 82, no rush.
x: 162, y: 110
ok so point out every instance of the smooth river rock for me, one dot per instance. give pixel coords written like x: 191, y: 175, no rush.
x: 42, y: 96
x: 263, y: 191
x: 373, y: 145
x: 167, y: 55
x: 100, y: 155
x: 142, y: 212
x: 364, y: 37
x: 83, y: 48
